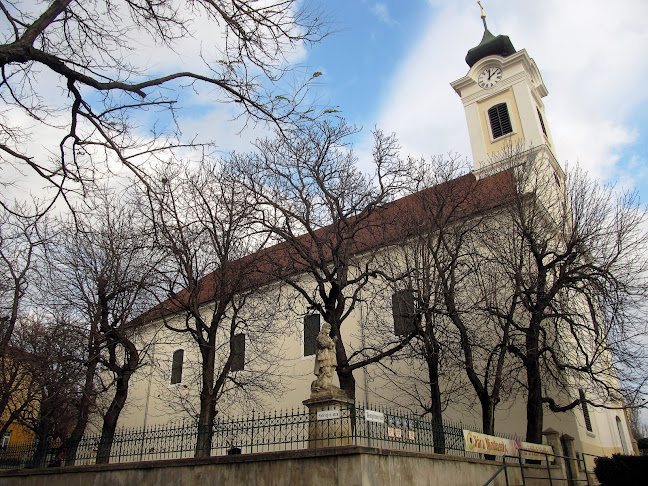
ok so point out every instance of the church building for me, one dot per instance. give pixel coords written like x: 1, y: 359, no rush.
x: 502, y: 95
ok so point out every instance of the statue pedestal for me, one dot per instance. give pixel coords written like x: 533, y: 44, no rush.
x: 331, y: 414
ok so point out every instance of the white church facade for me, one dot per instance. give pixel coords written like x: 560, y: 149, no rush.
x: 502, y: 95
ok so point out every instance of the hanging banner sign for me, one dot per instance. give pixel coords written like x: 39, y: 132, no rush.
x: 328, y: 414
x: 498, y: 446
x: 373, y: 416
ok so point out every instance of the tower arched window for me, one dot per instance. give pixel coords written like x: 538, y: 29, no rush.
x: 500, y: 121
x: 176, y: 366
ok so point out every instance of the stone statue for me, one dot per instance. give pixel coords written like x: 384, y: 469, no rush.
x: 325, y: 360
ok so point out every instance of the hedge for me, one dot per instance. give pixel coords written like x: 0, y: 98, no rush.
x: 622, y: 470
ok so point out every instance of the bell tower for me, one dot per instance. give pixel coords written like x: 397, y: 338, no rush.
x: 502, y: 97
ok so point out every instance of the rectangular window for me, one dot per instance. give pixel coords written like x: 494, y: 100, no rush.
x: 238, y: 352
x: 311, y: 330
x: 176, y: 366
x: 586, y: 415
x: 499, y: 120
x: 404, y: 312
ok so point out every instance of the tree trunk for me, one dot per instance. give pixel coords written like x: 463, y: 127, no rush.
x: 488, y: 415
x: 205, y: 426
x: 86, y: 401
x: 43, y: 446
x: 345, y: 375
x: 534, y: 406
x: 436, y: 409
x: 111, y: 418
x: 347, y: 382
x: 534, y: 393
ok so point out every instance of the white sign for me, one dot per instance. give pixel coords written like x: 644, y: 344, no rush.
x: 328, y: 414
x: 395, y: 433
x: 373, y: 416
x: 497, y: 446
x: 541, y: 449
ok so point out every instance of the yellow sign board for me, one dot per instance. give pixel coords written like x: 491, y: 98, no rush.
x: 498, y: 446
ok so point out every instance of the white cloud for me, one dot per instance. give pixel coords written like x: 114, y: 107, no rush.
x: 381, y: 11
x: 589, y: 53
x: 221, y: 126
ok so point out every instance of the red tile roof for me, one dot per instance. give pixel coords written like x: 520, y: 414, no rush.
x: 392, y: 222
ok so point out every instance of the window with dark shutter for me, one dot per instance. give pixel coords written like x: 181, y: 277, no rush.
x: 586, y: 415
x: 6, y: 438
x: 176, y: 366
x: 499, y: 120
x: 544, y: 130
x: 404, y: 312
x: 311, y: 330
x: 238, y: 356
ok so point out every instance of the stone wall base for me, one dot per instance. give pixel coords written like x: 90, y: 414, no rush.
x: 331, y: 466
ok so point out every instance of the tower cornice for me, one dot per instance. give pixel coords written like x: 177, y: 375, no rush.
x: 506, y: 63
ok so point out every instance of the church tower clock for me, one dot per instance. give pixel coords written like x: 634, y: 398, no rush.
x: 502, y: 97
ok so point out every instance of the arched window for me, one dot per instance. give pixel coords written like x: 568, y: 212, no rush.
x: 624, y: 445
x: 500, y: 121
x: 176, y: 366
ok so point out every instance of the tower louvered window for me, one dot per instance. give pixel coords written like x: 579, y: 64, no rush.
x: 499, y: 120
x: 544, y: 130
x: 586, y: 415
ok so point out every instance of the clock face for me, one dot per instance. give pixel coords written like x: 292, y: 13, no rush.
x: 489, y: 77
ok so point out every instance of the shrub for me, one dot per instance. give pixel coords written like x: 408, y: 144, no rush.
x: 643, y: 443
x: 622, y: 470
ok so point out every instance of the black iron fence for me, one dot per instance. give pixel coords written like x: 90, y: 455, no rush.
x: 295, y: 429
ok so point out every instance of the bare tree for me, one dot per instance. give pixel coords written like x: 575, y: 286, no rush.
x: 44, y: 364
x: 102, y: 272
x: 638, y: 427
x: 327, y: 218
x: 19, y: 386
x: 440, y: 269
x: 107, y: 90
x: 51, y: 344
x: 203, y: 218
x: 21, y: 240
x: 571, y: 260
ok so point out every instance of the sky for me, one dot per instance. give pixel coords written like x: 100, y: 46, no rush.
x: 390, y: 63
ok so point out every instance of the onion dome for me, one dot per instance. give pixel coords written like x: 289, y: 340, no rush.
x: 490, y: 45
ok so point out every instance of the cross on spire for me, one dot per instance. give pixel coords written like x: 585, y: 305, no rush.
x: 483, y: 15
